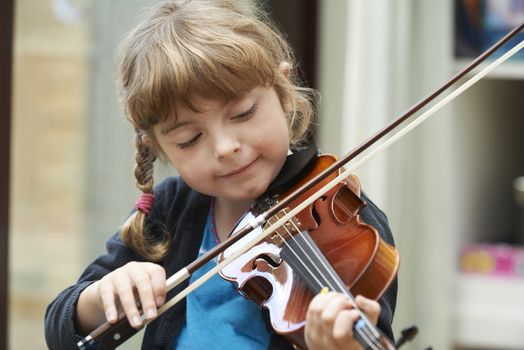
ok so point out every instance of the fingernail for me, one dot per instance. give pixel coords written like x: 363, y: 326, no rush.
x: 159, y: 301
x: 150, y: 313
x: 137, y: 321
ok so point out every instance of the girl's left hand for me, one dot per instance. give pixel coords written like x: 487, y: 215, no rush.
x: 330, y: 318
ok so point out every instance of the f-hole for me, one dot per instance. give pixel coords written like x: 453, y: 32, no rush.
x: 314, y: 212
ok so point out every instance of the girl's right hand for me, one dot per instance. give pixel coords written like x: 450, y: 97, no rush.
x: 134, y: 282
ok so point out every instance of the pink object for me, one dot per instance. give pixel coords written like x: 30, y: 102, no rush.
x: 145, y: 203
x: 493, y: 259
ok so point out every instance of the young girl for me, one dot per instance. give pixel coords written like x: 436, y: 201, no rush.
x: 209, y: 87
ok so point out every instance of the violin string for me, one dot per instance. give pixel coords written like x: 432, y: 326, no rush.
x: 340, y: 284
x: 369, y: 341
x: 342, y: 287
x: 297, y: 256
x: 319, y: 274
x: 327, y: 267
x: 364, y: 332
x: 367, y: 333
x: 333, y: 275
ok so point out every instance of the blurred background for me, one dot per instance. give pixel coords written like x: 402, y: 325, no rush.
x: 453, y: 189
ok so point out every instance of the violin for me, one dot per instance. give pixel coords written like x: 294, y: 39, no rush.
x: 326, y: 245
x: 311, y: 237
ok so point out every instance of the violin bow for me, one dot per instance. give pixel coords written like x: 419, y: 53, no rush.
x: 113, y: 335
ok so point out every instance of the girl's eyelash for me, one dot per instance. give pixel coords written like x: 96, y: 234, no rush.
x: 247, y: 113
x: 191, y: 142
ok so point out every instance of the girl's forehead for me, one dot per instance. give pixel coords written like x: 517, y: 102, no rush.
x: 202, y: 105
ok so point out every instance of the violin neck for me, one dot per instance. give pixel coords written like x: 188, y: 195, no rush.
x: 305, y: 258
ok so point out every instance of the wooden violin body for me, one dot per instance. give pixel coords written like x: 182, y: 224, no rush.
x: 285, y: 271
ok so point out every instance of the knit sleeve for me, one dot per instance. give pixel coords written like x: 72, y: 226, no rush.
x: 60, y: 330
x: 375, y: 217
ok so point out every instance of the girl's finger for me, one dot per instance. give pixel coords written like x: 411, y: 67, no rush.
x: 107, y: 295
x: 319, y: 303
x: 343, y: 328
x: 124, y: 290
x: 313, y: 330
x: 322, y: 314
x: 158, y: 281
x: 370, y: 307
x: 142, y: 282
x: 333, y: 306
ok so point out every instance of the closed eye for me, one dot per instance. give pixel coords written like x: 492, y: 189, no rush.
x: 247, y: 113
x: 190, y: 142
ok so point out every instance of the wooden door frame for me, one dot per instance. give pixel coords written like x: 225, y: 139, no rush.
x: 6, y: 60
x: 298, y: 19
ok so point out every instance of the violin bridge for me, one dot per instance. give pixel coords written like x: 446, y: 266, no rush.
x: 285, y: 231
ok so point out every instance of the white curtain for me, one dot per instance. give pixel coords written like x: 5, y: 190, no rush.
x: 394, y: 52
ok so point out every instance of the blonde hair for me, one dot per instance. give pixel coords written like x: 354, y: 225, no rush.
x: 216, y: 49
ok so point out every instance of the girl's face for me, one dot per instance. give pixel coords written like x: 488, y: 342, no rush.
x: 231, y: 151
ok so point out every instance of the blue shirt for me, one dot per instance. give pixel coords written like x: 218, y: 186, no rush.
x: 217, y: 316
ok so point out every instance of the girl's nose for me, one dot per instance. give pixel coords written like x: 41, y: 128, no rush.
x: 226, y: 145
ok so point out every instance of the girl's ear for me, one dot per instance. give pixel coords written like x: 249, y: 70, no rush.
x: 285, y: 68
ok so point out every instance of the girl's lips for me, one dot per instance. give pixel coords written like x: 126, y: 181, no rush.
x: 239, y: 170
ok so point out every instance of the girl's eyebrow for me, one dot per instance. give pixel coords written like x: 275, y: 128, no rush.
x: 173, y: 126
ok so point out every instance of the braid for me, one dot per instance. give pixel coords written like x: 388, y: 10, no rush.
x: 151, y: 245
x: 145, y: 160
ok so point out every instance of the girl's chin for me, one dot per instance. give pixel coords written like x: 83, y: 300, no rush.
x: 243, y: 197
